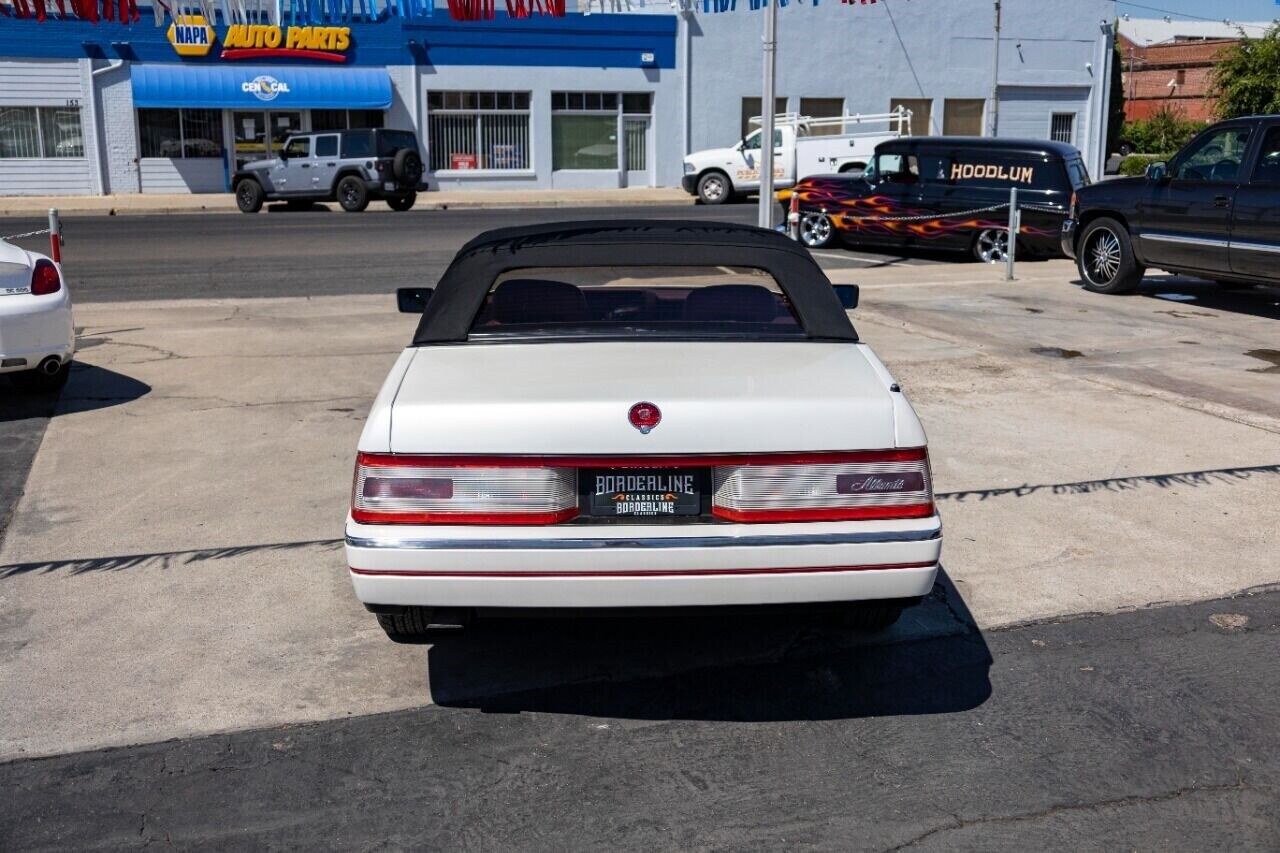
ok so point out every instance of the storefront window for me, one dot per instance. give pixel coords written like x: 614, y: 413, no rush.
x: 478, y: 130
x: 180, y: 133
x: 584, y: 141
x: 346, y: 119
x: 584, y: 129
x: 40, y: 132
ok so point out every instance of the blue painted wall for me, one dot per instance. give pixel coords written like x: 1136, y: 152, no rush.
x: 575, y: 41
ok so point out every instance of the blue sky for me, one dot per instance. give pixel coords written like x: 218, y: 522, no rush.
x: 1237, y: 10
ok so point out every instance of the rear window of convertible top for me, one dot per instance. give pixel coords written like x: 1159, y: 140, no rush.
x: 678, y: 302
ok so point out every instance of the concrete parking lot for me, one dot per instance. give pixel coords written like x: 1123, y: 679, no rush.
x: 172, y: 568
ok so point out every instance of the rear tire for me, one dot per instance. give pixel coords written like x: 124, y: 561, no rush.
x: 402, y: 202
x: 1105, y: 258
x: 870, y: 617
x: 417, y: 625
x: 411, y: 626
x: 38, y: 380
x: 353, y: 195
x: 714, y: 188
x: 991, y: 246
x: 249, y: 196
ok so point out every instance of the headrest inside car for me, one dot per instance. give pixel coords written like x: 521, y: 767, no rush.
x: 534, y: 300
x: 732, y: 303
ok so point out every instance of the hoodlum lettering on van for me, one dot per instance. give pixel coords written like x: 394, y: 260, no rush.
x: 1013, y: 174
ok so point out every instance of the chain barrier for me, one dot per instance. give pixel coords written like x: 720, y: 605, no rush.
x: 25, y: 235
x: 930, y: 216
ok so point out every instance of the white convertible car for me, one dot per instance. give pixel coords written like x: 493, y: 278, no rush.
x: 37, y: 336
x: 638, y: 414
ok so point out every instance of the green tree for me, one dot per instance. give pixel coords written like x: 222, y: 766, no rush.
x: 1247, y: 78
x: 1115, y: 119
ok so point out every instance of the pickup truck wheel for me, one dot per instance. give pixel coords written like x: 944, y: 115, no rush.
x: 1105, y: 258
x: 991, y: 246
x: 353, y: 195
x: 816, y: 231
x: 871, y: 616
x: 402, y: 202
x: 714, y: 188
x: 249, y: 196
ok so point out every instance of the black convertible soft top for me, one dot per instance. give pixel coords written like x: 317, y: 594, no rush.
x: 630, y: 243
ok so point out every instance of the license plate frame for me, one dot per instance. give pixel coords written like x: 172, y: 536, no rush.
x: 642, y: 493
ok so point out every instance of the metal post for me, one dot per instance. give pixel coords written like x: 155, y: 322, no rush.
x: 995, y: 79
x: 1015, y: 220
x: 55, y: 236
x: 766, y: 115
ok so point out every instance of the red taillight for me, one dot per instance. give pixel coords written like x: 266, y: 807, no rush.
x: 391, y: 489
x: 836, y: 487
x: 45, y: 278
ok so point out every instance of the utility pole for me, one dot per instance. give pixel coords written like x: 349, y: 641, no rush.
x: 766, y: 114
x: 995, y: 78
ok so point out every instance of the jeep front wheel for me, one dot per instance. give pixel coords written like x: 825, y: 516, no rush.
x: 353, y: 195
x: 249, y: 196
x: 1105, y: 258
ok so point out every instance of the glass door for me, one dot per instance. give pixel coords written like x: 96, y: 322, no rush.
x: 250, y: 137
x: 282, y: 124
x: 636, y: 139
x: 260, y: 135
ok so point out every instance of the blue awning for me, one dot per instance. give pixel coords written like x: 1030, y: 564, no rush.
x: 260, y: 87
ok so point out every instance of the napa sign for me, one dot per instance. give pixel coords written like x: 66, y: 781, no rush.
x: 191, y: 35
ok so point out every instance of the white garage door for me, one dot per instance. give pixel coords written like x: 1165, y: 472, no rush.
x: 1048, y: 112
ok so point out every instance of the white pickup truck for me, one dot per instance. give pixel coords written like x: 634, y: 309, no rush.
x: 802, y: 146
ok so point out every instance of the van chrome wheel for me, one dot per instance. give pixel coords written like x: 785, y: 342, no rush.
x: 815, y: 230
x: 992, y: 246
x: 1101, y: 257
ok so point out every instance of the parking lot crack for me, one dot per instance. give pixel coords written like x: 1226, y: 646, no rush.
x: 957, y: 822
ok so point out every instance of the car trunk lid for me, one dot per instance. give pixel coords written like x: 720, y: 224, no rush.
x: 575, y: 398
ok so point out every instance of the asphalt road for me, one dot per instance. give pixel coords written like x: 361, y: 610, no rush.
x: 1150, y: 730
x: 312, y: 253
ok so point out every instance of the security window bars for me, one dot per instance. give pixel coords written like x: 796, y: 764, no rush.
x: 478, y: 130
x: 40, y: 132
x: 1062, y: 128
x: 180, y: 133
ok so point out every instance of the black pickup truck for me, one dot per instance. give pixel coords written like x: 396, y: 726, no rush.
x: 1213, y: 211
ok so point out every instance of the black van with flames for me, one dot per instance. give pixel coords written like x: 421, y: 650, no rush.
x: 945, y: 192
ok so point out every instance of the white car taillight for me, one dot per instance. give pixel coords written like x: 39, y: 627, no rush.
x: 45, y: 278
x: 827, y: 487
x: 392, y: 489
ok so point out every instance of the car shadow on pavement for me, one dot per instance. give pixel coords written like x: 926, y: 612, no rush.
x: 758, y: 664
x: 1184, y: 295
x: 89, y: 387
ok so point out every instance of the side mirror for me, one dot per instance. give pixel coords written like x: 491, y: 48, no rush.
x: 413, y: 300
x: 847, y: 294
x: 1158, y: 172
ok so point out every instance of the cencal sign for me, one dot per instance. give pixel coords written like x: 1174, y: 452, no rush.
x: 265, y: 88
x: 191, y: 35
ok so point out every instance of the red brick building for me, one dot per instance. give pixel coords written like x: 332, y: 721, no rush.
x: 1176, y: 74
